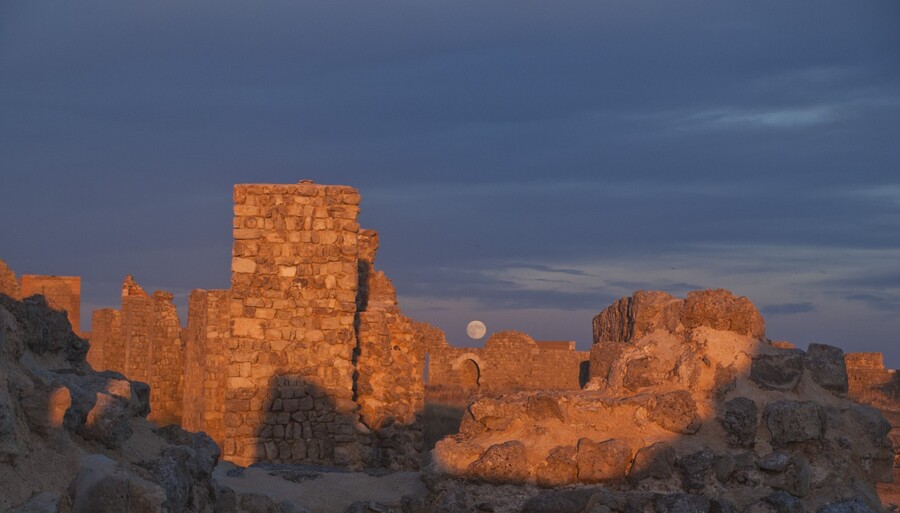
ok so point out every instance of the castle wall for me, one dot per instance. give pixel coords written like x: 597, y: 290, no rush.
x: 205, y: 372
x: 390, y: 388
x: 289, y: 391
x: 61, y: 292
x: 143, y: 342
x: 107, y: 352
x: 509, y: 361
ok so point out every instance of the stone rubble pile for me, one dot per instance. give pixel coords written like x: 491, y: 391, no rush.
x: 688, y: 408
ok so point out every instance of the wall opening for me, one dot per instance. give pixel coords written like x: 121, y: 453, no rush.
x: 469, y: 374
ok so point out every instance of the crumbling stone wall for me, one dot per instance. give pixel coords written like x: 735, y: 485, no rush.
x: 289, y: 391
x: 107, y: 351
x: 389, y: 384
x: 9, y: 284
x: 143, y: 342
x: 62, y: 293
x: 510, y: 361
x: 206, y: 340
x: 871, y: 383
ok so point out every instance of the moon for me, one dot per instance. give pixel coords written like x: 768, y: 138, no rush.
x: 475, y: 330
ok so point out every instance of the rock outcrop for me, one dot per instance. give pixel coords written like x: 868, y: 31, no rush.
x: 72, y: 439
x: 688, y: 408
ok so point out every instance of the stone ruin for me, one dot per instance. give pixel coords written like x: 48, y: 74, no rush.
x: 688, y: 408
x: 307, y: 358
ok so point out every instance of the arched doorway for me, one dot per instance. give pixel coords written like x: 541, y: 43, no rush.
x: 469, y: 374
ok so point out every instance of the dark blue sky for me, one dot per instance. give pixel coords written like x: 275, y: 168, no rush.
x: 525, y: 163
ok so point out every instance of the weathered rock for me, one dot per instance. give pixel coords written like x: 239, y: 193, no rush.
x: 778, y: 502
x: 826, y: 366
x: 777, y: 371
x: 696, y: 469
x: 655, y: 461
x: 501, y: 463
x: 675, y: 411
x: 794, y: 421
x: 682, y: 503
x: 603, y: 461
x: 633, y: 317
x: 564, y: 501
x: 795, y: 477
x: 560, y: 467
x: 721, y: 310
x: 45, y: 502
x: 854, y: 505
x: 740, y: 421
x: 543, y: 407
x: 11, y: 444
x: 101, y: 487
x: 9, y: 284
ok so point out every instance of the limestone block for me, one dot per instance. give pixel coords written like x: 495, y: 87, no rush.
x: 603, y: 461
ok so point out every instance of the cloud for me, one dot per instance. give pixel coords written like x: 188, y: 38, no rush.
x: 787, y: 308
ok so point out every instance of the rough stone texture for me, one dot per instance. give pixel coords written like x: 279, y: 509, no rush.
x: 688, y: 403
x: 204, y: 357
x: 777, y: 371
x: 826, y: 365
x: 72, y: 439
x: 62, y: 293
x: 631, y: 318
x: 500, y: 463
x: 143, y: 341
x: 794, y: 421
x: 509, y: 361
x: 9, y: 284
x: 676, y: 411
x: 603, y: 461
x: 721, y: 310
x: 655, y: 461
x: 740, y: 420
x: 389, y: 385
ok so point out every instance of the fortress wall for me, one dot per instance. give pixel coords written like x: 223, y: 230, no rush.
x: 62, y: 293
x: 206, y: 340
x: 107, y: 351
x: 509, y: 361
x: 389, y: 386
x: 167, y: 372
x: 143, y: 342
x: 289, y: 391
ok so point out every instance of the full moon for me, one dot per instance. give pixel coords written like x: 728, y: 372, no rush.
x: 476, y: 330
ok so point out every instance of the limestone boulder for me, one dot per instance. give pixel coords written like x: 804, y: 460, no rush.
x: 600, y: 462
x: 780, y: 372
x: 676, y: 411
x: 794, y: 421
x: 826, y: 366
x: 740, y: 420
x: 501, y: 463
x: 655, y: 461
x: 721, y: 310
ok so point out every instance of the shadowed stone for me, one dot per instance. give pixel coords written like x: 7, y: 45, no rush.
x: 676, y: 412
x: 654, y: 461
x: 777, y: 371
x: 740, y: 422
x: 794, y: 421
x: 827, y: 368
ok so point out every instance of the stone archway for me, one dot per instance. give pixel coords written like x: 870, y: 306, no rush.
x: 469, y: 374
x: 468, y: 368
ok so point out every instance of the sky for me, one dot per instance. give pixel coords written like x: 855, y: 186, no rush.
x: 525, y: 163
